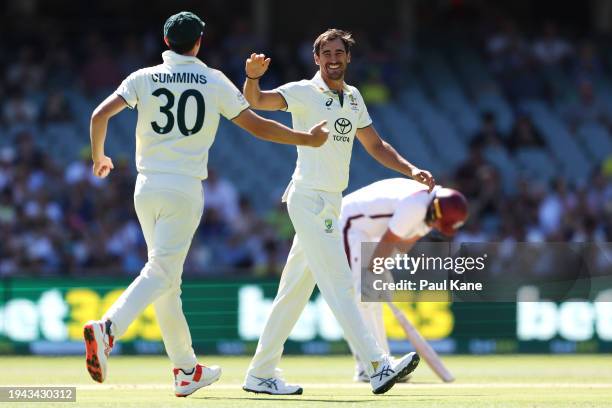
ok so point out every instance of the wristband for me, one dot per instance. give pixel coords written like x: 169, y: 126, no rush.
x: 247, y: 75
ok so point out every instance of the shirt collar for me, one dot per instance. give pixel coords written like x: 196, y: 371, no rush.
x: 173, y: 58
x: 318, y: 81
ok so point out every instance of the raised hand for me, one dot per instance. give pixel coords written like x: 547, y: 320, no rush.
x: 256, y: 65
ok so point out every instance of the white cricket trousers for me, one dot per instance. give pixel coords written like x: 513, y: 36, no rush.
x: 169, y: 208
x: 316, y: 257
x: 370, y: 311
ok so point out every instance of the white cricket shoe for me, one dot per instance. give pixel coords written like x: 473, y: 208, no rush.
x: 389, y: 371
x: 272, y: 385
x: 362, y: 376
x: 98, y: 345
x: 187, y: 384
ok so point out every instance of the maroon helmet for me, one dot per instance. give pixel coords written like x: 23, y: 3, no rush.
x: 450, y: 211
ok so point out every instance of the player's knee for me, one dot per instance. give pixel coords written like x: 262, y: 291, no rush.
x: 155, y: 270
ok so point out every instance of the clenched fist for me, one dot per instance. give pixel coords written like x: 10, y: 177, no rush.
x: 256, y: 65
x: 102, y: 166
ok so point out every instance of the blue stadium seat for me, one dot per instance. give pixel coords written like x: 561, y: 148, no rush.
x: 596, y: 139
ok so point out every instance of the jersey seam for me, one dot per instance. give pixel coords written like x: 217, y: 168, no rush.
x: 285, y: 99
x: 239, y: 113
x: 124, y: 100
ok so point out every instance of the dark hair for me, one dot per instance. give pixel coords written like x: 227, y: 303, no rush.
x: 333, y: 34
x: 182, y: 48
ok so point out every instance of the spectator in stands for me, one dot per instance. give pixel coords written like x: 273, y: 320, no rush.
x: 247, y: 222
x: 555, y: 208
x: 374, y: 91
x: 587, y: 66
x: 524, y: 82
x: 234, y: 253
x: 19, y: 110
x: 80, y: 170
x: 220, y: 195
x: 480, y: 182
x: 28, y: 154
x: 588, y: 109
x: 61, y: 69
x: 25, y: 71
x: 506, y: 48
x: 471, y: 232
x: 56, y: 110
x: 488, y: 134
x: 278, y: 220
x: 7, y: 157
x: 550, y: 48
x: 599, y: 194
x: 273, y: 260
x: 524, y: 134
x: 470, y: 175
x: 101, y: 71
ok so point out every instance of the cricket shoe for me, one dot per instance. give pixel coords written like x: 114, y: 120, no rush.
x: 389, y: 371
x: 362, y: 376
x: 201, y: 376
x: 98, y: 345
x: 270, y: 385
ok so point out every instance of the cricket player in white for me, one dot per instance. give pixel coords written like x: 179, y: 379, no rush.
x: 179, y: 104
x: 390, y: 212
x: 313, y: 200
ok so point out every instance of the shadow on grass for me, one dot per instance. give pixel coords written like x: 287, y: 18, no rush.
x: 367, y: 399
x: 279, y: 399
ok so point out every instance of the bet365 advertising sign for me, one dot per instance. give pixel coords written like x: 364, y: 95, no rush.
x: 47, y: 316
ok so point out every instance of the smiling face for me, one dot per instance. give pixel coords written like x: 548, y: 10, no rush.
x: 333, y: 59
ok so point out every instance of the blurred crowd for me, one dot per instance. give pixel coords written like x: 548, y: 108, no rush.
x: 56, y: 218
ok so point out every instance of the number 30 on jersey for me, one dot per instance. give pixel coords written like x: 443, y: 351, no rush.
x: 180, y: 112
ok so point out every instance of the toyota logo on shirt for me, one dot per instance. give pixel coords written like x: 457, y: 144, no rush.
x: 343, y: 126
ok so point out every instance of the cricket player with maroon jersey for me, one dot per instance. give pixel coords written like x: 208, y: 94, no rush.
x: 393, y: 211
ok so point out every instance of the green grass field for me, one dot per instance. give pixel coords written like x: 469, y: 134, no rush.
x: 482, y: 381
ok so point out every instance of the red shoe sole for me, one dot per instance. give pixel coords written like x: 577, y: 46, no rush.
x: 91, y: 354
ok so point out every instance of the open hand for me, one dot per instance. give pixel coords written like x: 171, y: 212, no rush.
x: 256, y: 65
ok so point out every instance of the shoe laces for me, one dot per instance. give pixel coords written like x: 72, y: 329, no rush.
x: 108, y: 341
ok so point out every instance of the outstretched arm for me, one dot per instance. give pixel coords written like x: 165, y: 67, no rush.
x: 102, y: 165
x: 273, y: 131
x: 255, y: 67
x: 386, y: 155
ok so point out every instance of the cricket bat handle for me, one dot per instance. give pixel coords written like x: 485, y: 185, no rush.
x: 421, y: 346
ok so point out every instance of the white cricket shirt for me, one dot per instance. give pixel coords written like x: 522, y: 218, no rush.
x: 311, y: 101
x: 399, y: 204
x: 178, y: 103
